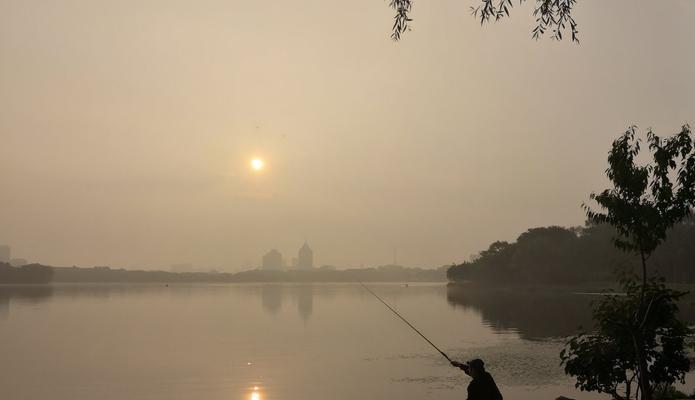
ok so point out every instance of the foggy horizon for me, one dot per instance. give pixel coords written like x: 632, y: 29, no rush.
x: 127, y: 129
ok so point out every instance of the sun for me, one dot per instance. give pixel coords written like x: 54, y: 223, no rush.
x: 257, y: 164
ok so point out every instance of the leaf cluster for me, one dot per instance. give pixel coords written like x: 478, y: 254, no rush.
x: 401, y: 21
x: 606, y: 360
x: 647, y: 200
x: 553, y: 16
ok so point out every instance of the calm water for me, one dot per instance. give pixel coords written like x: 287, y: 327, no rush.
x: 274, y: 341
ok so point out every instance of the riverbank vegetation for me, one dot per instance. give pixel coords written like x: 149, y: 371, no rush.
x: 558, y: 255
x: 637, y: 347
x: 32, y: 273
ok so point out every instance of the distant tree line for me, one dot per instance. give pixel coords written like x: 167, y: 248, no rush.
x: 36, y: 273
x: 31, y: 273
x: 574, y: 255
x: 388, y: 273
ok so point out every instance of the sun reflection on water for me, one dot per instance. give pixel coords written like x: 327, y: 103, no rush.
x: 256, y: 393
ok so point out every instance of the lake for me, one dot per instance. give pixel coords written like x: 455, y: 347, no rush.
x: 280, y: 341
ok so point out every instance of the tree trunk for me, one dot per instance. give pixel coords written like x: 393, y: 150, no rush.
x: 643, y: 375
x: 644, y: 270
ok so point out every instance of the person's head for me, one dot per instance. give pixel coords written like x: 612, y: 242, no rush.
x: 476, y: 367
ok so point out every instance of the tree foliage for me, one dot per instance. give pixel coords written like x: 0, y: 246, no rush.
x: 557, y: 255
x: 646, y: 201
x: 609, y: 359
x: 639, y: 331
x: 554, y: 16
x: 30, y: 273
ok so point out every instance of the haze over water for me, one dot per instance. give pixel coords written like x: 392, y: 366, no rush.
x: 321, y: 341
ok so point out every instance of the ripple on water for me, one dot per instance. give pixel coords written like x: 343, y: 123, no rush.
x: 524, y: 363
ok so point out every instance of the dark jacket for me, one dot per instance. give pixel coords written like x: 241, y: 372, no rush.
x: 483, y: 388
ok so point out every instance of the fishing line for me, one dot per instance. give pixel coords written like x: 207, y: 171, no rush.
x: 406, y: 321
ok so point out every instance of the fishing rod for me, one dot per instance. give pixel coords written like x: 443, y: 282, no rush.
x: 406, y: 321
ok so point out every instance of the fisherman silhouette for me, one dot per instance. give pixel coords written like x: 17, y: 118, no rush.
x: 482, y: 387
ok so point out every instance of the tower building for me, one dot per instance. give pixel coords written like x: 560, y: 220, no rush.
x: 5, y: 253
x: 305, y: 260
x: 272, y: 260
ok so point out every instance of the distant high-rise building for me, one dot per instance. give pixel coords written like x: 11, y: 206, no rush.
x: 272, y: 260
x: 306, y: 257
x: 5, y: 253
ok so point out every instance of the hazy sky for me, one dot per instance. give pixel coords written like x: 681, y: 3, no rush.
x: 127, y: 127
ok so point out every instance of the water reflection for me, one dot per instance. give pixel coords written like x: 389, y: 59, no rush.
x: 4, y: 307
x: 272, y: 297
x: 305, y: 300
x: 244, y: 353
x: 35, y: 294
x: 533, y: 314
x: 22, y: 294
